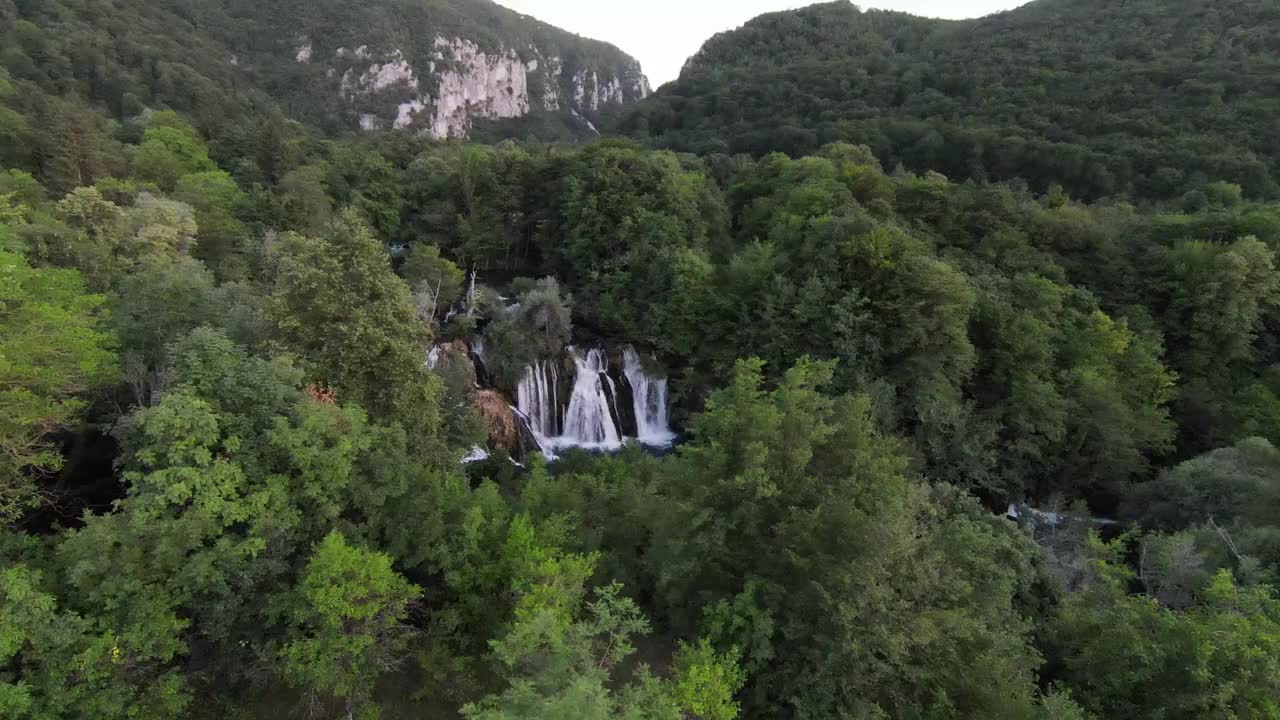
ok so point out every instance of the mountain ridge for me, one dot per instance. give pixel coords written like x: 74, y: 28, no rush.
x: 1143, y: 98
x: 435, y: 66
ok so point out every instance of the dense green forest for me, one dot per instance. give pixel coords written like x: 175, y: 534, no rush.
x: 1145, y: 98
x: 948, y: 448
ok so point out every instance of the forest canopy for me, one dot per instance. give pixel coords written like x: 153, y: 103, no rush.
x: 1142, y: 98
x: 950, y: 445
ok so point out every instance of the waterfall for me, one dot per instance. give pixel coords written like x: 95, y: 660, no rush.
x: 530, y: 440
x: 650, y: 398
x: 433, y: 357
x: 589, y: 421
x: 536, y: 398
x: 590, y: 416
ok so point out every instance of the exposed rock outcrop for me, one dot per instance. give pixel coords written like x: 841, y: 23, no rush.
x: 478, y: 85
x: 504, y: 431
x: 461, y: 82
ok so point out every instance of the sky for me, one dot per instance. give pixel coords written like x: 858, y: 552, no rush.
x: 662, y: 34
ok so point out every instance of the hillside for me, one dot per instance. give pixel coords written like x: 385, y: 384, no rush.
x: 1146, y: 97
x: 300, y: 421
x: 435, y: 66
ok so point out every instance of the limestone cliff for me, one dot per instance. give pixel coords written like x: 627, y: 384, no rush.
x: 435, y: 67
x: 460, y: 82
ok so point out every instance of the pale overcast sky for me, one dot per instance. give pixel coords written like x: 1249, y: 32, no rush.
x: 662, y: 34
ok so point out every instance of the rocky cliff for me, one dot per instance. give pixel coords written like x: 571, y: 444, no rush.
x: 441, y: 68
x: 460, y: 82
x: 436, y: 67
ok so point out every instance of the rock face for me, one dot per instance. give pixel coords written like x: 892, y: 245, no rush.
x: 460, y: 82
x: 501, y: 421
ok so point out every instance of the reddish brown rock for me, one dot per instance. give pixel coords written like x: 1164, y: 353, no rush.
x: 503, y: 431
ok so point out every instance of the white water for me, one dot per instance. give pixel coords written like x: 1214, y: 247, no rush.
x: 586, y: 419
x: 536, y: 399
x: 523, y: 418
x: 649, y: 395
x: 588, y: 422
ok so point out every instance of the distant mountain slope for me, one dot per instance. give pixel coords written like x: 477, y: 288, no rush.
x: 437, y: 66
x: 1152, y: 97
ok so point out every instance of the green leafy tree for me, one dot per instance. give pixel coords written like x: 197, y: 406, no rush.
x: 794, y: 499
x: 307, y: 206
x: 1218, y: 296
x: 55, y: 663
x: 705, y: 682
x: 1229, y: 484
x: 53, y: 349
x: 625, y: 214
x: 222, y: 238
x: 95, y: 236
x: 349, y: 613
x: 1128, y: 656
x: 436, y: 283
x: 72, y: 148
x: 338, y: 304
x: 159, y: 228
x: 564, y: 646
x: 538, y: 327
x: 168, y: 152
x: 159, y: 302
x: 367, y: 181
x: 189, y: 529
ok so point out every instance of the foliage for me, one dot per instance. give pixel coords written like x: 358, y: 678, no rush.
x: 538, y: 326
x: 350, y: 609
x: 1131, y: 657
x: 58, y: 664
x: 706, y: 682
x: 995, y: 98
x: 268, y: 513
x: 562, y: 648
x: 782, y: 494
x: 53, y: 349
x: 436, y: 283
x: 361, y: 336
x: 1232, y: 483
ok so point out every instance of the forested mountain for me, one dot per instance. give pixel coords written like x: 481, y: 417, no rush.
x: 436, y: 66
x: 1148, y: 98
x: 299, y: 421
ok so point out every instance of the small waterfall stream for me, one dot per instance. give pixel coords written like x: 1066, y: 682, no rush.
x: 537, y: 397
x: 649, y: 396
x: 589, y: 417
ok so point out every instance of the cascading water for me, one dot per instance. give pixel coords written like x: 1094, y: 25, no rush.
x: 589, y: 422
x: 536, y: 397
x: 649, y: 396
x: 589, y: 417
